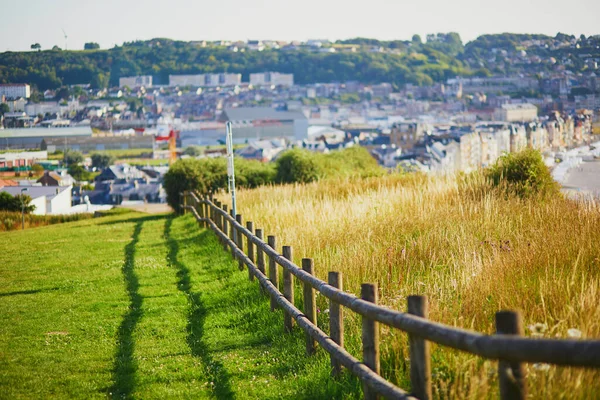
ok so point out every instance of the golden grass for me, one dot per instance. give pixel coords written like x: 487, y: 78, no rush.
x: 470, y: 249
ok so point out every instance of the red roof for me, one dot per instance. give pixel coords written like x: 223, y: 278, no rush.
x: 7, y: 182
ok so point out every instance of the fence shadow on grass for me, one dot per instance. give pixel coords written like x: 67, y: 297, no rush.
x: 125, y: 367
x: 196, y: 317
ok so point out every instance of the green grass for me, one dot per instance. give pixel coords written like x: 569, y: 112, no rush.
x: 137, y: 306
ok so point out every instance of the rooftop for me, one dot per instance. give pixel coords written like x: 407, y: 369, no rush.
x: 46, y: 132
x: 36, y: 191
x: 262, y: 113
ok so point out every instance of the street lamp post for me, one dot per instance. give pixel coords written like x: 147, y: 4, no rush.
x: 23, y: 208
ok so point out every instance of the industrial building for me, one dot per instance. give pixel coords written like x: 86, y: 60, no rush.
x: 31, y: 138
x: 99, y: 143
x: 253, y: 123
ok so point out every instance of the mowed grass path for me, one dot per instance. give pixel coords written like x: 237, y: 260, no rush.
x: 138, y: 306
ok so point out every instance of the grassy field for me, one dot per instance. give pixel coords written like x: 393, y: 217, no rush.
x: 138, y: 306
x: 471, y: 249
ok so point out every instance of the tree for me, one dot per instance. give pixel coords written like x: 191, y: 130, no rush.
x: 62, y: 94
x: 56, y: 48
x: 192, y: 151
x: 36, y: 46
x: 416, y: 39
x: 72, y: 157
x: 91, y: 46
x: 37, y: 169
x: 101, y: 161
x: 79, y: 173
x: 14, y: 203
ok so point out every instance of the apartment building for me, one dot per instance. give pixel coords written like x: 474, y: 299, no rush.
x: 271, y: 78
x: 136, y: 81
x: 15, y: 90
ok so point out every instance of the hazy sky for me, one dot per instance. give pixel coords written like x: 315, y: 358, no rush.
x: 110, y: 22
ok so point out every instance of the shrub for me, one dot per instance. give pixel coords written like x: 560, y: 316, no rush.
x: 293, y: 166
x: 297, y: 166
x: 79, y: 173
x: 523, y: 173
x: 10, y: 220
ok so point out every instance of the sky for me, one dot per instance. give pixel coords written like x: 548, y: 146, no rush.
x: 111, y: 22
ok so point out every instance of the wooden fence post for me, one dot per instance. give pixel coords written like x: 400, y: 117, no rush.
x: 250, y: 227
x: 184, y: 198
x: 217, y: 215
x: 370, y: 338
x: 201, y: 211
x: 260, y: 255
x: 206, y: 213
x: 288, y: 288
x: 224, y: 207
x: 310, y: 304
x: 336, y: 319
x: 273, y: 272
x: 420, y: 360
x: 511, y: 375
x: 240, y: 240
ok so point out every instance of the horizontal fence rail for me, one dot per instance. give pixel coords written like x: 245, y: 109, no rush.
x: 506, y: 345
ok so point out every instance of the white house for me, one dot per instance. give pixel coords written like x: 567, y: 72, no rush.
x: 46, y: 199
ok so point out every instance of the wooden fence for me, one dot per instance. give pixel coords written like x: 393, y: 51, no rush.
x: 508, y: 345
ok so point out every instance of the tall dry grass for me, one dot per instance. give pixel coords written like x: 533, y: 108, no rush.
x: 471, y: 249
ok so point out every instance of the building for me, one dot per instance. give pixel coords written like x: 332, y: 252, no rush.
x: 136, y: 81
x: 21, y: 159
x: 31, y: 138
x: 265, y: 123
x: 524, y: 112
x: 46, y: 199
x: 121, y: 172
x: 205, y: 80
x: 98, y: 143
x: 136, y: 191
x: 271, y: 78
x: 56, y: 178
x: 262, y: 150
x: 15, y: 90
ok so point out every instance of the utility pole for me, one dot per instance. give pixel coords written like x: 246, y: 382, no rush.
x: 231, y: 173
x: 23, y: 208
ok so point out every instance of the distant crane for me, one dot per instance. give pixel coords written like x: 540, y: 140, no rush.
x: 65, y: 33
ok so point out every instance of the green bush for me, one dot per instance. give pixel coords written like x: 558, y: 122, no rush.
x: 297, y: 166
x: 293, y: 166
x: 210, y: 174
x: 523, y: 173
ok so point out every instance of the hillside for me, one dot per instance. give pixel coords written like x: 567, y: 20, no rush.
x: 399, y: 62
x: 138, y: 306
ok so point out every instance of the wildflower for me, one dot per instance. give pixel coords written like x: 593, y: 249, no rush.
x: 574, y: 333
x: 541, y: 367
x: 326, y: 311
x: 538, y: 329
